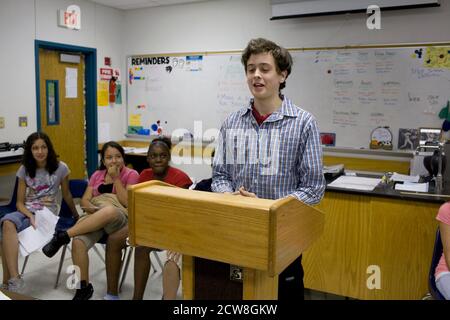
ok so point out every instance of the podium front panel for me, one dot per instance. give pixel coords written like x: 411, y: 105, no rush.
x: 226, y: 228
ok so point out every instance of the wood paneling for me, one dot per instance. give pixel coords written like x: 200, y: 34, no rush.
x: 188, y: 278
x: 361, y: 231
x: 9, y: 169
x: 363, y: 164
x: 199, y: 235
x: 258, y: 285
x: 296, y: 227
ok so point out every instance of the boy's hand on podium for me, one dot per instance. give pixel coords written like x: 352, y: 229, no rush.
x: 246, y: 193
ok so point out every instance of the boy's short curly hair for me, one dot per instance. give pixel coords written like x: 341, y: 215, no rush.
x: 282, y: 57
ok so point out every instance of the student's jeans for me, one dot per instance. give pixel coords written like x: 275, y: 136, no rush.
x: 443, y: 285
x: 290, y: 282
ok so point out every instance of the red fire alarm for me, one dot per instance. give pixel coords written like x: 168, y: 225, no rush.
x: 107, y: 61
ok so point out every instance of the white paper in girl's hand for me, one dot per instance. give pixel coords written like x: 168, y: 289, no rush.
x: 32, y: 239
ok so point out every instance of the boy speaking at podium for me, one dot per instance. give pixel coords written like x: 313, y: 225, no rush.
x: 271, y: 148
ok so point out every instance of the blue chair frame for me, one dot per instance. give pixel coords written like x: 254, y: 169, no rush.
x: 11, y: 206
x: 66, y: 220
x: 437, y: 253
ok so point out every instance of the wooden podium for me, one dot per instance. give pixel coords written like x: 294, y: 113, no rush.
x: 263, y: 236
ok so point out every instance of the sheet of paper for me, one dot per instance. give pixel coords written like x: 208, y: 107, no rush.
x: 104, y: 132
x: 357, y: 183
x: 103, y: 93
x: 33, y: 239
x: 333, y: 169
x: 418, y: 187
x: 404, y: 178
x: 71, y: 83
x: 135, y: 150
x: 23, y: 252
x: 4, y: 296
x: 140, y: 150
x: 46, y: 221
x: 135, y: 120
x: 118, y: 93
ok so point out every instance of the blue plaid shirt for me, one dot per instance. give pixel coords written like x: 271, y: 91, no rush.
x: 281, y: 157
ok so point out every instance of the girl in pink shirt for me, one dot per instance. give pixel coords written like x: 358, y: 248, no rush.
x: 105, y: 201
x: 442, y: 273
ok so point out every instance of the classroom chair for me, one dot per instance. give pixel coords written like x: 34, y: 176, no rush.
x: 77, y: 188
x: 129, y: 250
x: 65, y: 221
x: 437, y: 253
x: 11, y: 206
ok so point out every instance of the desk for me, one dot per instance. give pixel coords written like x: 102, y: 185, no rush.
x: 391, y: 231
x: 10, y: 162
x: 137, y: 160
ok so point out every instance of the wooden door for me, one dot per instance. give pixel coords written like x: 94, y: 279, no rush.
x: 64, y: 121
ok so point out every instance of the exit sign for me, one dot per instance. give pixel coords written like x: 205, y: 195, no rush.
x: 70, y: 18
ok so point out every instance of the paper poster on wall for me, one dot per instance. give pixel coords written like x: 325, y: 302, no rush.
x: 71, y: 83
x: 381, y: 138
x: 104, y: 132
x: 23, y: 121
x: 194, y: 63
x: 103, y: 93
x: 408, y: 139
x: 135, y: 120
x: 138, y: 130
x: 118, y: 93
x: 437, y: 57
x: 134, y: 129
x: 135, y: 73
x: 328, y: 139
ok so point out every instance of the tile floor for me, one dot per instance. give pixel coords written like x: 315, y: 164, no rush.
x: 40, y: 276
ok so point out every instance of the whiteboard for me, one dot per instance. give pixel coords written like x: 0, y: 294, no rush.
x: 191, y: 93
x: 350, y: 91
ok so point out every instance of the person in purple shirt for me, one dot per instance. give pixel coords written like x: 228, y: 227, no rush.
x: 39, y: 180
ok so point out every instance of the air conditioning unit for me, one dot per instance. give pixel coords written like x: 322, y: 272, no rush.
x: 284, y: 9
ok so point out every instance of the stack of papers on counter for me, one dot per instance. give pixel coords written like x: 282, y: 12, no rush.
x: 418, y: 187
x: 404, y: 178
x: 333, y: 169
x: 356, y: 183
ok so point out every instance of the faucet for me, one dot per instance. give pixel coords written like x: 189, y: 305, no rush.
x: 440, y: 149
